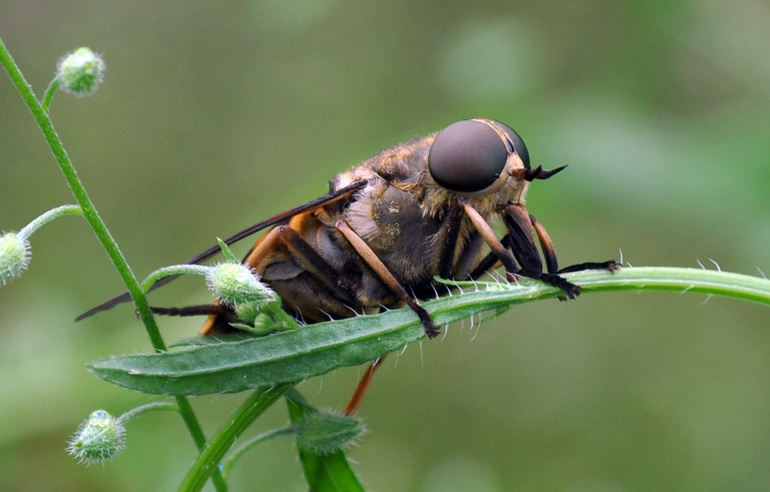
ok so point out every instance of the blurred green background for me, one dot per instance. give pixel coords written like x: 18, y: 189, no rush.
x: 212, y: 117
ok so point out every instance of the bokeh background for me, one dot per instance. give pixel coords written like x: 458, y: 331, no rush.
x: 215, y: 115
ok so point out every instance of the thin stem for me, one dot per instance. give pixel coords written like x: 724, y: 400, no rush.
x: 102, y: 233
x: 49, y: 93
x: 6, y: 60
x: 150, y: 407
x: 173, y: 270
x: 689, y: 280
x: 47, y: 217
x: 79, y: 191
x: 252, y: 443
x: 196, y: 432
x: 209, y: 459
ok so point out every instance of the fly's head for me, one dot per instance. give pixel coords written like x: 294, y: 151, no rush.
x: 483, y: 161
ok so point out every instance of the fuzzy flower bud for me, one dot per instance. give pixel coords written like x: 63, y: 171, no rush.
x: 235, y: 284
x: 324, y: 433
x: 14, y: 256
x: 248, y: 312
x: 100, y: 438
x: 80, y: 72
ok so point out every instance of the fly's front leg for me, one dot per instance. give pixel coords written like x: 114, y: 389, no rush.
x: 522, y: 243
x: 611, y: 265
x: 523, y: 229
x: 522, y: 235
x: 550, y: 254
x: 546, y: 245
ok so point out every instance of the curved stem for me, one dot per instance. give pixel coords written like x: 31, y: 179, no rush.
x: 49, y: 93
x: 48, y: 216
x: 88, y: 209
x: 79, y: 191
x: 209, y: 459
x: 684, y: 280
x: 150, y: 407
x: 173, y: 270
x: 252, y: 443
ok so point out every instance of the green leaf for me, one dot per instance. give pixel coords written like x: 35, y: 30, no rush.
x: 323, y: 472
x: 317, y: 349
x: 281, y: 357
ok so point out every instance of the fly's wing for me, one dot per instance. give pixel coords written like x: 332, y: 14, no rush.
x: 338, y: 195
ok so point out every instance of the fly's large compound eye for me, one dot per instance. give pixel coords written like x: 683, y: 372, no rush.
x: 470, y: 155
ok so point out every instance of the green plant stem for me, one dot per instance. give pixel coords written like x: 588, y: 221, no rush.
x: 252, y: 443
x: 209, y: 459
x: 150, y: 407
x: 79, y: 191
x: 49, y: 93
x: 683, y: 280
x: 102, y: 233
x: 172, y: 271
x: 47, y: 217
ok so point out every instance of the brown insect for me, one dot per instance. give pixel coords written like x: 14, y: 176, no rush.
x: 388, y: 226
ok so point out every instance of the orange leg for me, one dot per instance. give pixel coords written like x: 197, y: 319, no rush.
x: 363, y: 385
